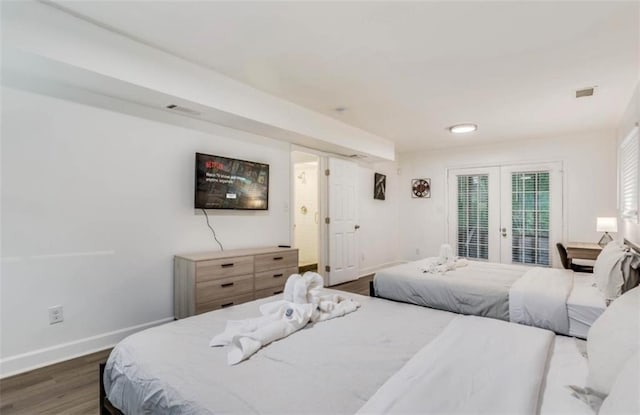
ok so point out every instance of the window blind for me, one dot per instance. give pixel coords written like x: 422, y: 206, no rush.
x: 473, y: 216
x: 628, y: 168
x: 530, y: 217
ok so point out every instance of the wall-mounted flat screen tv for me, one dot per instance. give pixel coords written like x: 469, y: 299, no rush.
x: 226, y: 183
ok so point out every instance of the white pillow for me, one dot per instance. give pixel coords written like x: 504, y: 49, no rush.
x: 624, y: 397
x: 631, y: 272
x: 613, y: 338
x: 612, y: 247
x: 607, y: 271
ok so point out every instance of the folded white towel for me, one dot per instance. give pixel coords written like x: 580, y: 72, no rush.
x: 235, y: 327
x: 461, y: 262
x: 446, y: 254
x: 271, y: 313
x: 429, y: 267
x: 303, y: 302
x: 300, y: 289
x: 291, y: 318
x: 434, y: 266
x: 332, y: 306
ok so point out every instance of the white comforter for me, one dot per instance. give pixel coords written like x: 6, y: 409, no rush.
x: 539, y: 299
x: 331, y: 368
x: 479, y: 289
x: 476, y: 365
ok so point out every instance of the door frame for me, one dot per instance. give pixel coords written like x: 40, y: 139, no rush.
x: 562, y: 233
x: 323, y: 206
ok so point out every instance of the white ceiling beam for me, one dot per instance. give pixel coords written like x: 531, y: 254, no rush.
x: 72, y: 50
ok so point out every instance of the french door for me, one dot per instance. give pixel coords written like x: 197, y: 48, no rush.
x: 508, y: 214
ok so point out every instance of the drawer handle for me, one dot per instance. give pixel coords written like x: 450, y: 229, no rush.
x: 230, y: 264
x: 227, y: 305
x: 228, y: 284
x: 277, y: 258
x: 278, y: 292
x: 277, y: 275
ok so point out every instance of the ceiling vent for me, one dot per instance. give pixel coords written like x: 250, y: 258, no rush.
x: 586, y: 92
x: 184, y: 110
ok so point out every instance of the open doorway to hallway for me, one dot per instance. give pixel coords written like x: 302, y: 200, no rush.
x: 306, y: 209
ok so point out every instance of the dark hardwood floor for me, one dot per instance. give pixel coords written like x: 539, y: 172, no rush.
x: 359, y: 286
x: 304, y: 268
x: 72, y: 387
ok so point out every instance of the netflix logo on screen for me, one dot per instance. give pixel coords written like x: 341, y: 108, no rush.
x: 210, y: 164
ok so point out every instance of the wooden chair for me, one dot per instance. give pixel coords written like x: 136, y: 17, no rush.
x: 566, y: 261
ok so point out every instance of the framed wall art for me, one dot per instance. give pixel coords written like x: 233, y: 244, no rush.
x: 379, y: 186
x: 421, y: 188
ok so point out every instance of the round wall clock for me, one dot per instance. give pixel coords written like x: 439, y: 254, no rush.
x: 421, y: 188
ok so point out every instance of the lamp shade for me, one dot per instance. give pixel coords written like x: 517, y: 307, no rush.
x: 607, y: 225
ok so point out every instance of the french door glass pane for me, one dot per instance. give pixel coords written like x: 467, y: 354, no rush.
x: 473, y: 216
x: 530, y: 217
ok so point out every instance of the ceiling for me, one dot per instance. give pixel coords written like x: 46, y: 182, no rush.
x: 408, y: 70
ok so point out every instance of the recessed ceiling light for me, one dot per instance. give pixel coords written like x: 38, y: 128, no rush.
x: 463, y: 128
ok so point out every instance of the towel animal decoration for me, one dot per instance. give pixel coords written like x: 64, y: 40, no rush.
x: 304, y: 302
x: 445, y: 262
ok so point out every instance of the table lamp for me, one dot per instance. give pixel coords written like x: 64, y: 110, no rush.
x: 606, y: 225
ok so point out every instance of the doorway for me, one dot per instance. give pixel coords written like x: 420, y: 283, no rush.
x: 508, y: 214
x: 324, y: 201
x: 306, y: 209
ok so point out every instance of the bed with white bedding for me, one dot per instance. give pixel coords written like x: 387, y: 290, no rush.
x: 471, y: 360
x: 331, y: 367
x: 350, y: 364
x: 584, y: 305
x: 480, y: 288
x: 556, y: 299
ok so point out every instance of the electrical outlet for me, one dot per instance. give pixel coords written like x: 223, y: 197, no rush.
x: 55, y: 314
x: 417, y: 251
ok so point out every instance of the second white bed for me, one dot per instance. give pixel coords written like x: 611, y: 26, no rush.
x: 498, y: 291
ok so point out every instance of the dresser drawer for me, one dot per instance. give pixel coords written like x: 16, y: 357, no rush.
x: 206, y: 281
x: 223, y: 303
x: 274, y: 278
x: 276, y: 260
x: 268, y: 292
x: 223, y: 288
x: 223, y: 268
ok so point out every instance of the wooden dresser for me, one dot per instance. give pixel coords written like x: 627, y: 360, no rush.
x: 208, y: 281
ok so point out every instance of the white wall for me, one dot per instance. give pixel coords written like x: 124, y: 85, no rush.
x: 95, y: 203
x: 627, y: 228
x: 94, y: 206
x: 589, y: 162
x: 378, y: 219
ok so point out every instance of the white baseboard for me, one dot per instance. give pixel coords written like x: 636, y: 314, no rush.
x: 371, y: 270
x: 25, y: 362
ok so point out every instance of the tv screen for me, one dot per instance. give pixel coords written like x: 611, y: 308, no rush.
x: 225, y: 183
